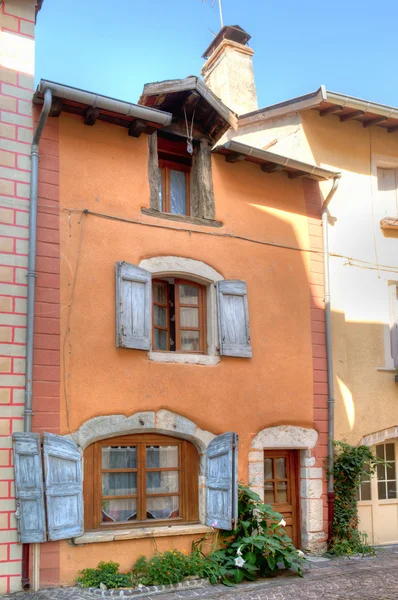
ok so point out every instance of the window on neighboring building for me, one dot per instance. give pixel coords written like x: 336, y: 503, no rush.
x: 393, y: 288
x: 136, y: 478
x: 364, y: 491
x: 387, y: 183
x: 179, y: 316
x: 174, y: 175
x: 386, y: 473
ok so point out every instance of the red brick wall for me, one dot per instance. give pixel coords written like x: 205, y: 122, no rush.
x: 46, y: 366
x: 314, y: 201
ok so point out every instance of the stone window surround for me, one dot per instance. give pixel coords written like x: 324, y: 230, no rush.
x: 164, y: 422
x: 200, y: 272
x: 289, y: 437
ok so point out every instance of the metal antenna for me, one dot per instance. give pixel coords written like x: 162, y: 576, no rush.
x: 219, y: 8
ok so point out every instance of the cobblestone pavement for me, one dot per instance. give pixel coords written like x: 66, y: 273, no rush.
x: 372, y: 578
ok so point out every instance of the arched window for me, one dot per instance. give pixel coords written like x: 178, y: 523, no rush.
x: 133, y: 479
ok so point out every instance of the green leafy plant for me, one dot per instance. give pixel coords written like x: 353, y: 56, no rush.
x: 172, y: 566
x: 258, y: 547
x: 350, y: 465
x: 106, y: 573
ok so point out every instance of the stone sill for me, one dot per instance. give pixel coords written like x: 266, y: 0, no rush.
x: 187, y: 359
x: 386, y: 369
x: 151, y: 212
x: 95, y: 537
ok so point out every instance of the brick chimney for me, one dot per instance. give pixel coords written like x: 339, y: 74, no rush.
x: 228, y: 70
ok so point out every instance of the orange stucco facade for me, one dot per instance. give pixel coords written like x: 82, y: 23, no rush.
x: 102, y: 170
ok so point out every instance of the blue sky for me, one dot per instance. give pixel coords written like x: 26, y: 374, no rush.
x: 113, y: 47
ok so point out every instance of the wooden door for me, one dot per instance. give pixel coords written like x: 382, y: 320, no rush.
x: 281, y: 488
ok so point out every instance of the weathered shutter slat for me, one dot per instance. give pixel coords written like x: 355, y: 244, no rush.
x: 233, y: 319
x: 133, y: 307
x: 29, y: 488
x: 63, y: 487
x: 222, y: 481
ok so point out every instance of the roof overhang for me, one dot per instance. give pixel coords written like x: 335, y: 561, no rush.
x: 191, y: 98
x: 347, y: 108
x: 92, y: 107
x: 272, y: 163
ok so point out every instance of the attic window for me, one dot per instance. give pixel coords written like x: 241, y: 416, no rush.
x: 174, y: 164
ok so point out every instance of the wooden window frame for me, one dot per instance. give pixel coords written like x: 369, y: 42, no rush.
x: 165, y: 167
x: 188, y: 469
x: 385, y: 480
x: 201, y: 306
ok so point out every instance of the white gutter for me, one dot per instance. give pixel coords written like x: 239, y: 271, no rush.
x: 105, y: 103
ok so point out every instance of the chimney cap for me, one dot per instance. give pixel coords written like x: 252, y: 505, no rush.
x: 229, y: 32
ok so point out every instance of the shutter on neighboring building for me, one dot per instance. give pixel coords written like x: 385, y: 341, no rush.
x: 233, y: 319
x: 63, y: 487
x: 29, y: 488
x: 222, y: 481
x: 387, y: 180
x: 394, y: 323
x: 133, y: 307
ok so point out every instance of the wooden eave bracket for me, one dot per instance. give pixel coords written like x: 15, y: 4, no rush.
x: 271, y: 168
x: 136, y: 128
x: 235, y: 157
x: 352, y: 115
x: 330, y: 111
x: 91, y: 115
x: 389, y: 223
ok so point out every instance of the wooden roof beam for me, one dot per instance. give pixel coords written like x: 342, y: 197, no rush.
x: 91, y: 115
x: 192, y: 100
x: 56, y: 107
x: 271, y: 168
x: 235, y: 157
x: 352, y: 115
x: 330, y: 111
x: 374, y: 121
x: 136, y: 128
x: 297, y: 175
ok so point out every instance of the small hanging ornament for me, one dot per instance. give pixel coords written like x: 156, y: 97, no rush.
x: 189, y: 133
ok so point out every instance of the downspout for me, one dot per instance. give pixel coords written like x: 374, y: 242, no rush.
x: 31, y: 275
x: 328, y: 327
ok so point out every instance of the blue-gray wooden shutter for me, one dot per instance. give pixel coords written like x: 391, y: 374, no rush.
x: 133, y: 306
x: 222, y: 482
x: 63, y: 487
x: 233, y: 319
x: 29, y: 494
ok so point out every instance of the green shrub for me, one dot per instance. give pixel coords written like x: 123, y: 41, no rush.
x: 350, y: 464
x: 171, y: 566
x: 106, y: 573
x: 258, y: 545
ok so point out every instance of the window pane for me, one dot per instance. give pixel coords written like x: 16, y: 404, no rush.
x: 381, y: 490
x: 119, y: 484
x: 189, y: 317
x: 114, y: 457
x: 159, y: 315
x: 381, y: 472
x: 390, y: 452
x: 161, y: 482
x: 390, y: 468
x: 282, y: 491
x: 269, y: 497
x: 189, y: 294
x: 281, y: 468
x: 119, y: 510
x: 380, y: 451
x: 365, y: 491
x: 190, y: 341
x: 391, y: 489
x: 159, y: 293
x: 268, y: 468
x: 160, y: 188
x: 178, y: 193
x: 160, y: 341
x: 163, y: 508
x: 161, y: 456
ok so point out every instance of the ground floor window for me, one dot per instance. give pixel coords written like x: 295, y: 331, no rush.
x: 364, y: 491
x: 130, y: 480
x: 386, y: 473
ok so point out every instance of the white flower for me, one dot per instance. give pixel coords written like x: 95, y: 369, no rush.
x: 282, y: 522
x: 239, y: 551
x: 300, y: 553
x: 214, y: 524
x: 239, y: 562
